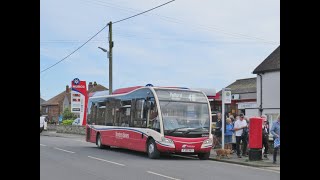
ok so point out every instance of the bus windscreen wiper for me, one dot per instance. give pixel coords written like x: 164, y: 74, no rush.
x: 197, y: 129
x: 175, y: 129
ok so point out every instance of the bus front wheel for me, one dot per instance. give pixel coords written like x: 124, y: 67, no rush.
x: 204, y: 156
x: 152, y: 150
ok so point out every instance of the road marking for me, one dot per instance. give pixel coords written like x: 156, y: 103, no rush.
x: 42, y: 145
x: 81, y: 140
x: 64, y: 150
x: 261, y: 168
x: 161, y: 175
x: 106, y: 161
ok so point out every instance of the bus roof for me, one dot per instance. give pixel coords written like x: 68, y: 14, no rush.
x: 207, y: 91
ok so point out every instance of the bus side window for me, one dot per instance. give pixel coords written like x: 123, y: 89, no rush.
x: 137, y: 112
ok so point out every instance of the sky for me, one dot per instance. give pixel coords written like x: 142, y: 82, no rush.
x: 186, y: 43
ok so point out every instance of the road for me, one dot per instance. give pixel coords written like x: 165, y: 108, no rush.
x: 73, y: 158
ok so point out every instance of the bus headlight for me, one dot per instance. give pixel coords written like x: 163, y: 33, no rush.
x: 207, y: 143
x: 166, y: 140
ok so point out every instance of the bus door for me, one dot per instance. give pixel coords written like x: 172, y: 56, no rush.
x: 139, y: 122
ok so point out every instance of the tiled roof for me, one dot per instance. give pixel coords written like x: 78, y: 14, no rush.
x: 271, y: 63
x: 98, y: 87
x: 58, y: 98
x: 42, y: 100
x: 248, y: 85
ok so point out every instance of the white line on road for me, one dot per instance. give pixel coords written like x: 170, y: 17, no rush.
x: 42, y: 145
x: 80, y: 140
x: 64, y: 150
x: 106, y: 161
x: 161, y: 175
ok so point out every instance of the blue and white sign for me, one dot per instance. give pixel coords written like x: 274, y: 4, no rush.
x: 76, y: 81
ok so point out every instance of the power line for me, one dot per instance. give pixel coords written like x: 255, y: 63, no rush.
x: 102, y: 30
x: 143, y: 12
x: 75, y: 50
x: 182, y: 22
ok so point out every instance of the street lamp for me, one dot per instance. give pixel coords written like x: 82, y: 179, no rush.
x: 110, y: 69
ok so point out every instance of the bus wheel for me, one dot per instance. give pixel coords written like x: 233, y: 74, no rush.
x: 204, y: 156
x: 152, y: 150
x: 99, y: 144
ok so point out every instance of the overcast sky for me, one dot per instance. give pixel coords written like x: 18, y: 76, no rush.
x: 196, y: 44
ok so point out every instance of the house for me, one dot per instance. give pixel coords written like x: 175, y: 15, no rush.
x: 55, y: 106
x: 243, y: 94
x: 41, y: 101
x: 93, y: 88
x: 268, y: 86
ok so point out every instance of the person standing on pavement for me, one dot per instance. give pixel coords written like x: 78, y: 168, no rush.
x: 247, y: 132
x: 265, y: 135
x: 233, y: 142
x: 239, y: 126
x: 218, y: 130
x: 228, y: 134
x: 275, y: 131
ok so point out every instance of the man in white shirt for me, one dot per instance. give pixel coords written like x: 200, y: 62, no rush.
x: 239, y: 126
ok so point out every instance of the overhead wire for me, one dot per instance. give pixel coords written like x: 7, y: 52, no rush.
x: 102, y: 30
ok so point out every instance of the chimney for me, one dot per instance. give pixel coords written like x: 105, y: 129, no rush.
x: 90, y: 86
x: 94, y: 84
x: 67, y: 88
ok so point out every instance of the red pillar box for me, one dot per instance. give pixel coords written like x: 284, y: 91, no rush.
x: 255, y: 138
x: 255, y: 135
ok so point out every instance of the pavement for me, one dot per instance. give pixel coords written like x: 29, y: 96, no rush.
x: 264, y: 163
x: 233, y: 158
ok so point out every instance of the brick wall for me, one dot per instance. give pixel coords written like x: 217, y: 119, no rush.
x: 53, y: 112
x: 71, y: 129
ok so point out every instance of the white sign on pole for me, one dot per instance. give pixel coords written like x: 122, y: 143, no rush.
x: 227, y: 97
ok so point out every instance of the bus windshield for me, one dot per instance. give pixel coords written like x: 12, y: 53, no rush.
x: 184, y: 112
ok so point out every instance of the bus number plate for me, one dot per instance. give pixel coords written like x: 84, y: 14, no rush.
x: 187, y: 150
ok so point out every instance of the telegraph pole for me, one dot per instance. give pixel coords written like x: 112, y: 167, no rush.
x: 110, y: 57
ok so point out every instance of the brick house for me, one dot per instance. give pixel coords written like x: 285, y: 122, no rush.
x: 55, y: 106
x: 41, y: 101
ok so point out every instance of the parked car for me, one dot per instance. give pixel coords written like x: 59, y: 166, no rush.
x: 76, y: 122
x: 45, y: 122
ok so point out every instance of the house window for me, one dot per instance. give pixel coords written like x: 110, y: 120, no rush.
x: 47, y: 108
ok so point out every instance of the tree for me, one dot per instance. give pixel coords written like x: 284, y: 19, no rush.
x: 67, y: 114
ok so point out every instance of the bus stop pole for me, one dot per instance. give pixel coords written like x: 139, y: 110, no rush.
x: 222, y: 114
x: 226, y: 98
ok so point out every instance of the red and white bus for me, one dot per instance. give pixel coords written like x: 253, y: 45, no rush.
x: 152, y: 119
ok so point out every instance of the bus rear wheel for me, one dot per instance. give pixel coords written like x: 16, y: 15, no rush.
x: 152, y: 150
x: 99, y: 143
x: 204, y: 156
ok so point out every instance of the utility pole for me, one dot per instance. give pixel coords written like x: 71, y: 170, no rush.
x: 110, y: 57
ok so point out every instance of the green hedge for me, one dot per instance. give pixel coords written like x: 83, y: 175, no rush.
x: 67, y: 122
